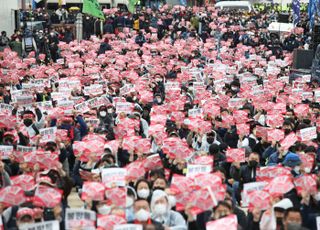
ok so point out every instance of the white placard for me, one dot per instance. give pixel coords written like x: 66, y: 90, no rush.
x: 25, y: 149
x: 193, y: 170
x: 114, y: 176
x: 24, y: 100
x: 65, y: 103
x: 6, y: 108
x: 85, y: 219
x: 125, y: 107
x: 93, y: 90
x: 82, y: 107
x: 6, y: 151
x: 308, y: 134
x: 195, y: 112
x: 171, y: 85
x: 128, y: 227
x: 46, y: 225
x: 48, y: 134
x: 248, y: 187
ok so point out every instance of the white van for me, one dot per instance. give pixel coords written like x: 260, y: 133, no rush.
x: 234, y: 5
x: 279, y: 27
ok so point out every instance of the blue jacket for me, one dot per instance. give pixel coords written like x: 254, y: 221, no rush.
x: 268, y: 152
x: 274, y: 158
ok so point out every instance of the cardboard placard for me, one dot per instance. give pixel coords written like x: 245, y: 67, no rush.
x: 114, y: 176
x: 46, y: 225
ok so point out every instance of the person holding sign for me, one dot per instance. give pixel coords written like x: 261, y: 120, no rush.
x: 293, y: 161
x: 32, y: 122
x: 244, y: 174
x: 142, y: 214
x: 161, y: 211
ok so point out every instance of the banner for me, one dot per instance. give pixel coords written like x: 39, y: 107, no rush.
x: 46, y: 225
x: 312, y: 8
x: 132, y: 5
x: 92, y: 7
x: 62, y: 2
x: 296, y: 11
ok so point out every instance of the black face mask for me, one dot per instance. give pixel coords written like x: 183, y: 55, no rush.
x: 158, y: 188
x: 27, y: 122
x: 279, y: 221
x: 8, y: 141
x: 210, y: 140
x: 287, y: 131
x: 253, y: 164
x: 51, y: 149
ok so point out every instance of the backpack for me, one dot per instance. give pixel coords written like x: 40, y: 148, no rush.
x: 12, y: 222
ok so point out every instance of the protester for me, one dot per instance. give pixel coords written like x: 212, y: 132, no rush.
x: 178, y: 118
x: 4, y: 40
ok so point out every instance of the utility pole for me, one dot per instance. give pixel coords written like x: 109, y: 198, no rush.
x: 79, y: 27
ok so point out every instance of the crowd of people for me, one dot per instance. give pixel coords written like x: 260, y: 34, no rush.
x: 181, y: 118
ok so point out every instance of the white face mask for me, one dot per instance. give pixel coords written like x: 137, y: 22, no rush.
x: 317, y: 196
x: 172, y: 201
x: 142, y: 215
x: 307, y: 170
x: 143, y: 193
x: 160, y: 209
x: 110, y: 110
x: 129, y: 202
x: 296, y: 169
x: 104, y: 209
x: 103, y: 113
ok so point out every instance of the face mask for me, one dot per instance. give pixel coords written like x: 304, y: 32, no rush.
x: 143, y: 193
x: 103, y: 113
x: 142, y: 215
x: 279, y: 221
x: 7, y: 142
x: 51, y: 34
x: 110, y: 110
x: 158, y: 188
x: 253, y: 164
x: 287, y: 131
x: 129, y: 202
x: 210, y: 140
x: 27, y: 122
x: 172, y: 201
x: 160, y: 209
x: 220, y: 215
x: 296, y: 169
x: 307, y: 170
x: 234, y: 89
x: 51, y: 149
x: 104, y: 209
x: 159, y: 100
x: 293, y: 225
x: 317, y: 196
